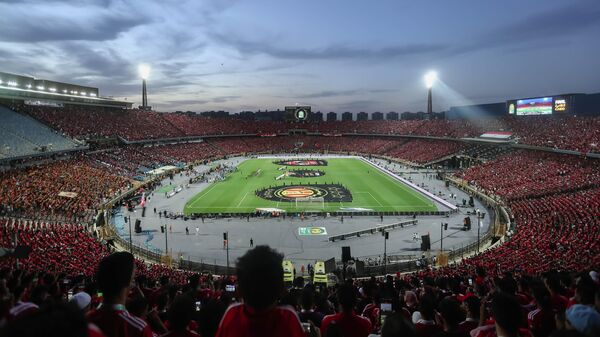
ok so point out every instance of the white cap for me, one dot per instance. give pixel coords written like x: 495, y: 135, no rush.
x: 81, y: 299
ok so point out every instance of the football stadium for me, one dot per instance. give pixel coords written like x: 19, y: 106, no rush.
x: 209, y: 169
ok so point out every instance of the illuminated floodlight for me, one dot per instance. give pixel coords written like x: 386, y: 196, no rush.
x: 12, y: 83
x: 0, y: 81
x: 144, y: 71
x: 65, y: 91
x: 83, y: 93
x: 52, y: 89
x: 93, y: 95
x: 430, y: 78
x: 40, y: 87
x: 28, y: 85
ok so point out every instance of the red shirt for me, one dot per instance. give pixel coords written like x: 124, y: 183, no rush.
x: 559, y: 303
x: 467, y: 325
x: 427, y: 329
x: 241, y: 320
x: 541, y: 322
x: 351, y: 325
x: 117, y: 322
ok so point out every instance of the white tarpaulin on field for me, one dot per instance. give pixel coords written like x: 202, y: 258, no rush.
x: 161, y: 170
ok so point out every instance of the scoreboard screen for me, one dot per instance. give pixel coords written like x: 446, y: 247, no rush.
x: 540, y: 106
x: 534, y: 106
x: 298, y: 113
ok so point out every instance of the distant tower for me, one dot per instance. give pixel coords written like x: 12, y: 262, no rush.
x: 429, y: 108
x: 144, y: 71
x: 430, y: 78
x: 145, y: 95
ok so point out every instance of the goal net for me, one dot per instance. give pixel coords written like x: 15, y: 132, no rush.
x: 310, y: 204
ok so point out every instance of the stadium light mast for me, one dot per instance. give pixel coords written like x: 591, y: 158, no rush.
x: 144, y: 71
x: 430, y: 79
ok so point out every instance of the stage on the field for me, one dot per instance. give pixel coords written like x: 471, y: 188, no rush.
x: 304, y: 184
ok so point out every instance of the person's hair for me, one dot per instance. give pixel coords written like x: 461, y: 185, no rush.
x: 54, y: 320
x: 508, y: 285
x: 162, y: 300
x: 451, y: 312
x: 346, y: 296
x: 307, y: 298
x: 507, y: 312
x: 260, y: 276
x: 585, y: 290
x: 397, y: 325
x: 38, y: 294
x: 542, y: 296
x: 181, y: 312
x: 137, y: 305
x: 427, y: 307
x: 473, y: 303
x: 114, y: 273
x: 553, y: 283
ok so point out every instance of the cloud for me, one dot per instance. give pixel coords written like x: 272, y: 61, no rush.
x: 358, y: 105
x: 550, y: 24
x: 330, y: 52
x: 218, y: 99
x: 334, y: 93
x: 58, y: 21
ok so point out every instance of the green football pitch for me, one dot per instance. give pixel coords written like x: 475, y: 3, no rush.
x: 342, y: 183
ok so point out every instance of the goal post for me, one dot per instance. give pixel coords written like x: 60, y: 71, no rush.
x: 310, y: 204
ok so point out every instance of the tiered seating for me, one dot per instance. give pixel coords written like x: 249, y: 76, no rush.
x: 181, y: 153
x: 568, y: 132
x: 55, y: 248
x: 485, y: 152
x: 90, y: 122
x: 553, y: 232
x: 527, y: 173
x: 255, y: 144
x: 21, y: 135
x: 192, y: 125
x: 128, y: 161
x: 423, y: 151
x: 34, y: 191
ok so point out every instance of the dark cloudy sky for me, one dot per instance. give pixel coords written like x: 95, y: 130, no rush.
x: 355, y: 55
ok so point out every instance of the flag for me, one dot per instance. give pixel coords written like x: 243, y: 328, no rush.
x: 143, y: 200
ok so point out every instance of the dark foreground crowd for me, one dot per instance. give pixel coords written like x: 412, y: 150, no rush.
x: 256, y: 302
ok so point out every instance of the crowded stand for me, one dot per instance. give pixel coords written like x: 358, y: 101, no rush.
x: 567, y: 132
x: 423, y: 151
x: 560, y: 231
x: 578, y: 133
x: 90, y: 122
x: 57, y: 248
x: 532, y: 174
x: 191, y: 125
x: 63, y: 190
x: 181, y: 153
x: 124, y: 299
x: 545, y: 268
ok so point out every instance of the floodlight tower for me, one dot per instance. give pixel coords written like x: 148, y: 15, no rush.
x: 144, y: 71
x: 430, y: 78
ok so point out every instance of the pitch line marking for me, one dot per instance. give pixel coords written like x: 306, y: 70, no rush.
x: 200, y: 197
x: 242, y: 199
x: 377, y: 201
